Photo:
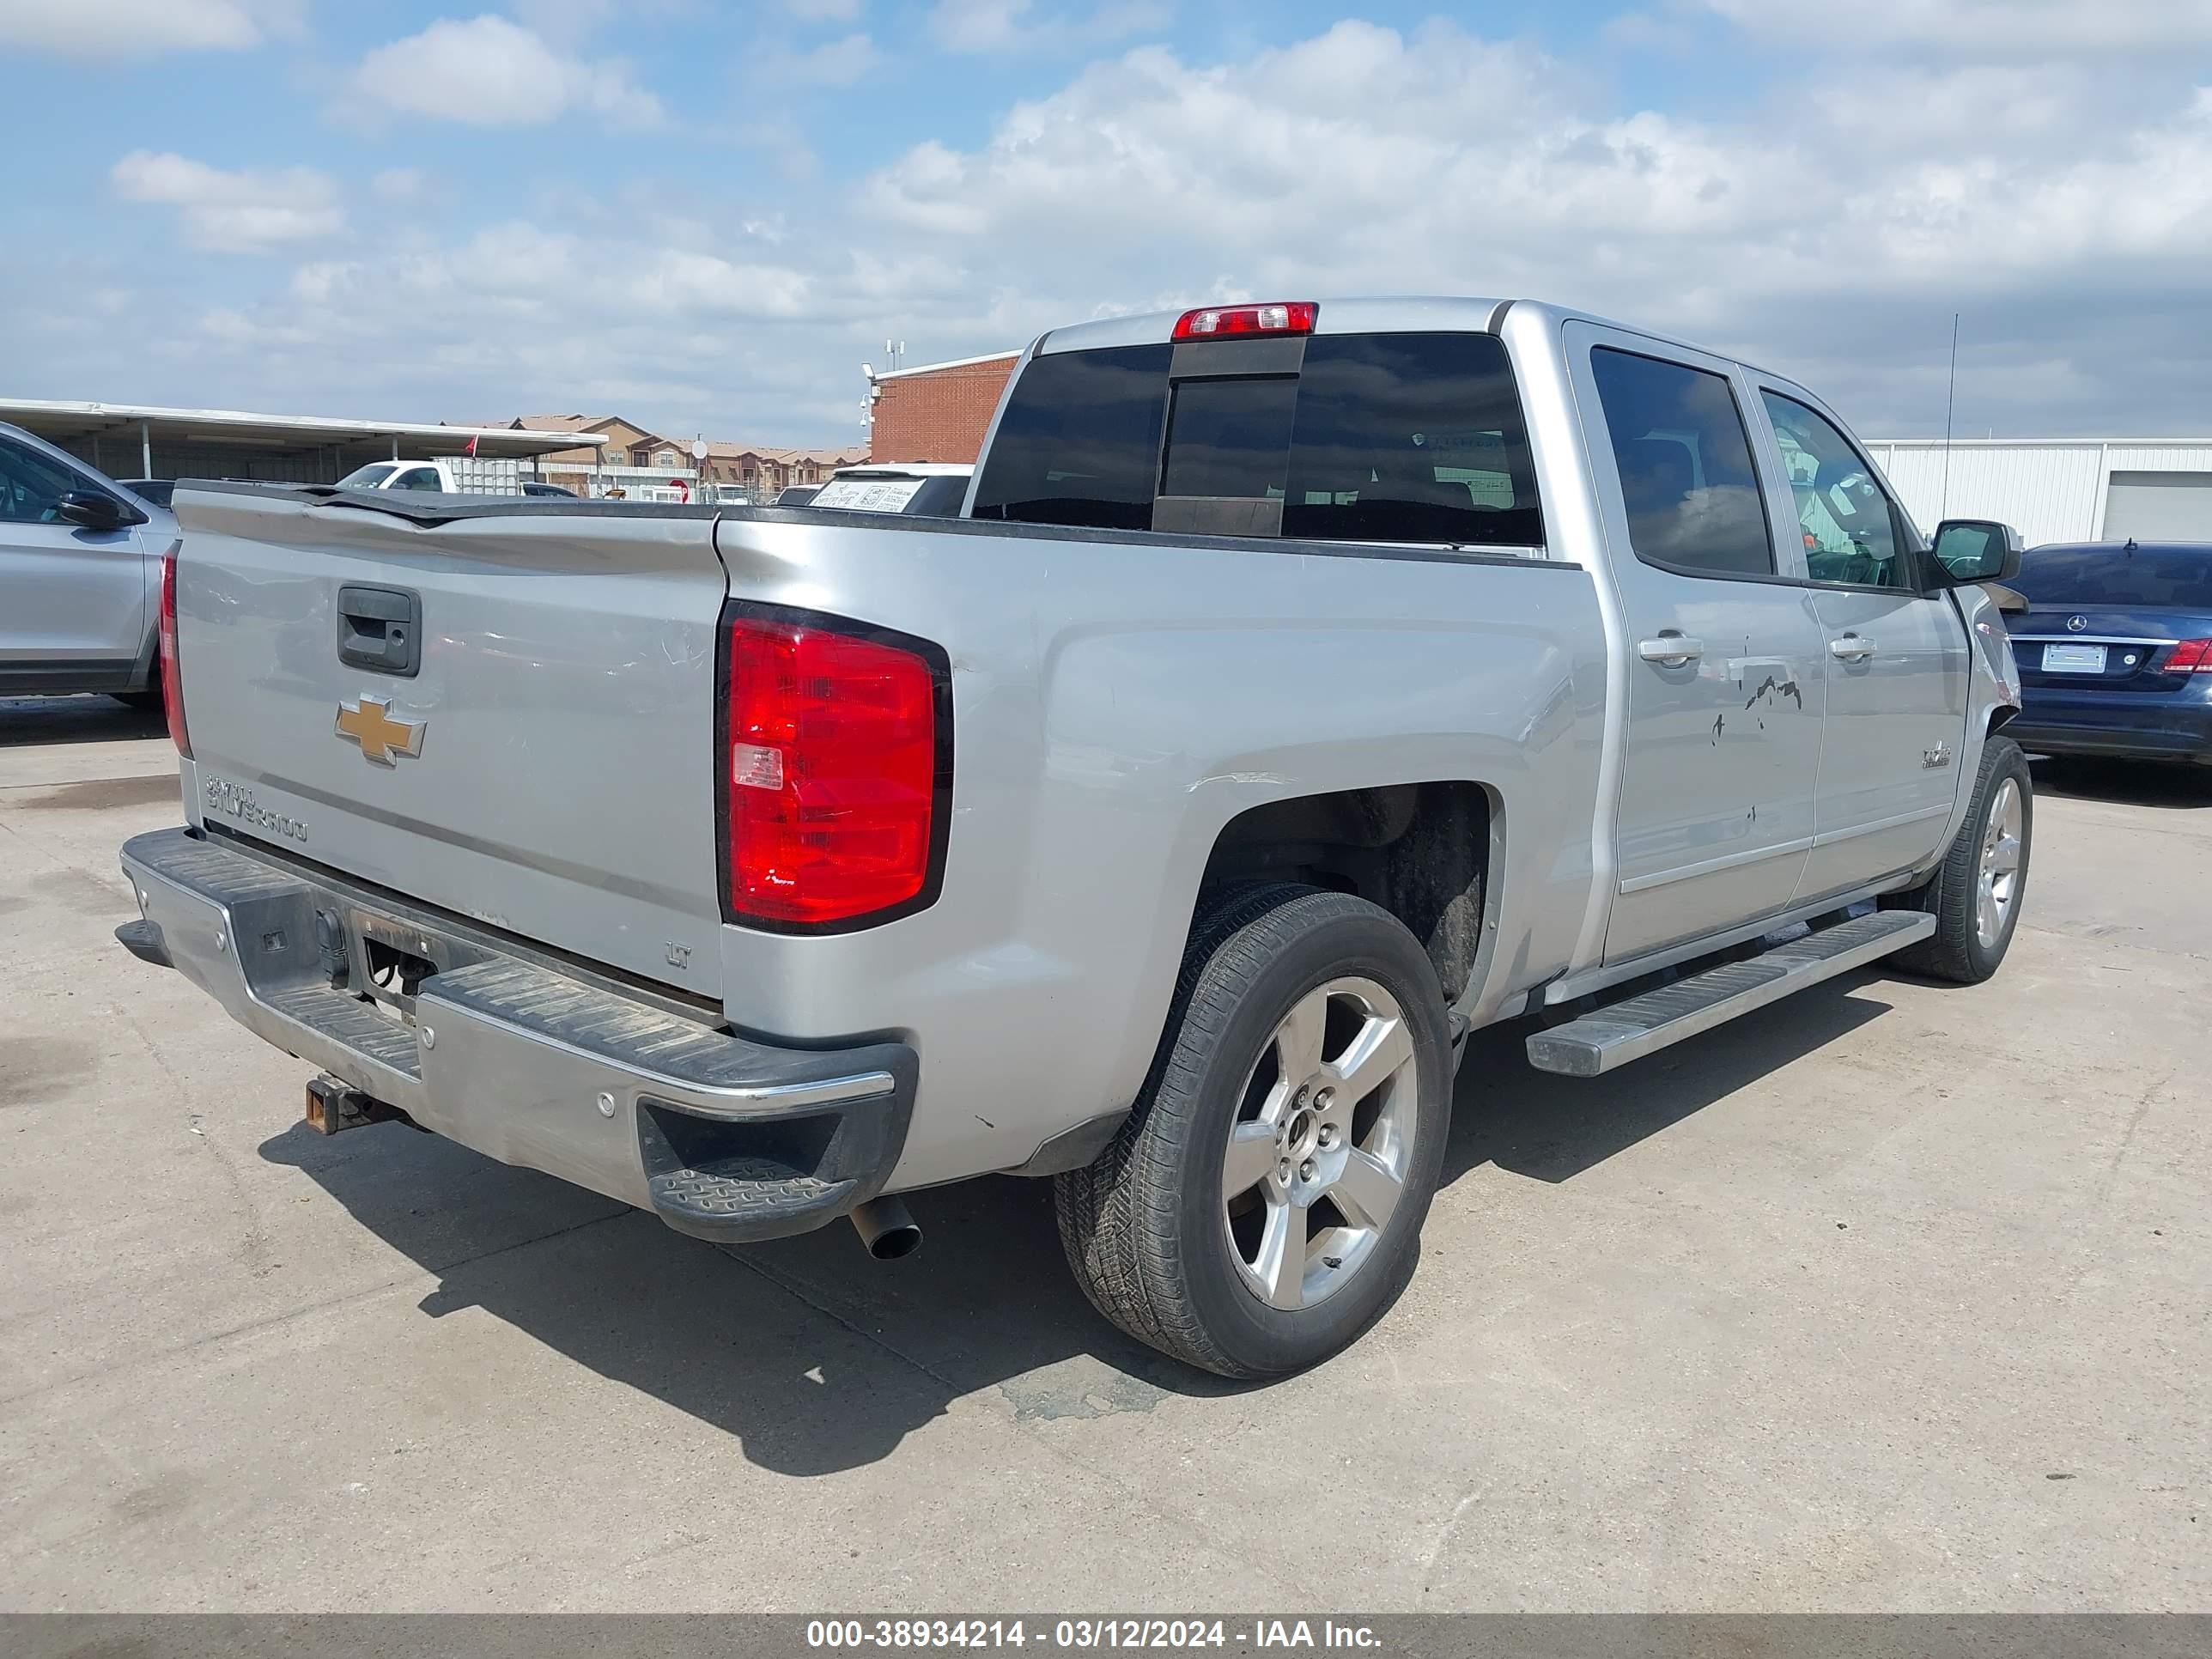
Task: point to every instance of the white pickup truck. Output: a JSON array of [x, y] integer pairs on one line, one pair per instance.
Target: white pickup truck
[[1306, 685], [442, 475]]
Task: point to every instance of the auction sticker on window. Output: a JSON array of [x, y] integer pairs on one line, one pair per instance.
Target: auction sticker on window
[[868, 495]]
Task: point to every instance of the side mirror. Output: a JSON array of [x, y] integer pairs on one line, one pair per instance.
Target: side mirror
[[95, 510], [1976, 550]]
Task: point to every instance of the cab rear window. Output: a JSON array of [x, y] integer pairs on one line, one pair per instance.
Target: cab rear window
[[1376, 437]]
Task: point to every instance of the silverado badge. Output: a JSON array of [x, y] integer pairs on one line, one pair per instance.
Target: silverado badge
[[369, 723]]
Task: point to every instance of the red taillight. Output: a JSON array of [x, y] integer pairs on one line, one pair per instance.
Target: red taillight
[[164, 646], [832, 765], [2190, 657], [1217, 322]]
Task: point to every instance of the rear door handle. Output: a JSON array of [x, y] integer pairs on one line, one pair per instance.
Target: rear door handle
[[1670, 650], [1850, 648]]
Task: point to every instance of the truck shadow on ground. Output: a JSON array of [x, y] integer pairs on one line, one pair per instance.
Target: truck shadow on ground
[[816, 1358], [89, 718], [2124, 783]]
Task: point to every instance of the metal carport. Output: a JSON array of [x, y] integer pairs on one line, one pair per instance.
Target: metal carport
[[146, 440]]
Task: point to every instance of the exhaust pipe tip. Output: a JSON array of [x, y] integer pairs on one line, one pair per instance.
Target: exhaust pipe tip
[[886, 1229]]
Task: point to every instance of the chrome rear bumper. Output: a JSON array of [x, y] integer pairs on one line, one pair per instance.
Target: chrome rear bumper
[[508, 1052]]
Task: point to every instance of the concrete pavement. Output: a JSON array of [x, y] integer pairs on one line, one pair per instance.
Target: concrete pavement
[[1892, 1296]]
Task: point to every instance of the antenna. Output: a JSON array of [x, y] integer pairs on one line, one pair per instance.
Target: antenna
[[1950, 402]]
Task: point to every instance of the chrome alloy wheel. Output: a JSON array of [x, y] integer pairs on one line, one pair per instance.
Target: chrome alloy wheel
[[1317, 1158], [1998, 888]]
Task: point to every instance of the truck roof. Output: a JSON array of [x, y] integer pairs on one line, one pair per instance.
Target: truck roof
[[1401, 313]]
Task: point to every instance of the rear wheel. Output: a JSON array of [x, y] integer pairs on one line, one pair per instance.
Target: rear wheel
[[1263, 1206], [1975, 894]]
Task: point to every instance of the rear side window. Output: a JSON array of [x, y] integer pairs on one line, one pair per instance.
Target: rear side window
[[1685, 470], [2113, 578], [1079, 440], [1376, 437]]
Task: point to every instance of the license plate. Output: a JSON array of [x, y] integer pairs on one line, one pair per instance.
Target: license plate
[[2073, 659]]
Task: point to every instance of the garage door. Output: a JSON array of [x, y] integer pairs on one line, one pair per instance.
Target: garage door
[[2164, 506]]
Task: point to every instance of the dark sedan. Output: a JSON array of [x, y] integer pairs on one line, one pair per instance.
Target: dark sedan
[[2115, 650]]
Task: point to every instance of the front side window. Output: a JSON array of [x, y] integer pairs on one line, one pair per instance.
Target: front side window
[[1685, 469], [1851, 536], [32, 487], [420, 478]]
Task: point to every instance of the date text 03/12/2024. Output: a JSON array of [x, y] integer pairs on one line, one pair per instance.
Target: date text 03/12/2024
[[1084, 1634]]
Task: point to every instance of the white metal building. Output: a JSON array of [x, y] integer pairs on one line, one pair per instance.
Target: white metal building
[[2058, 489]]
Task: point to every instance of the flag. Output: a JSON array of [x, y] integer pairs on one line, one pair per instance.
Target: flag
[[471, 450]]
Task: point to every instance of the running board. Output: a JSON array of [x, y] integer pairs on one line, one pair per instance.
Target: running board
[[1628, 1030]]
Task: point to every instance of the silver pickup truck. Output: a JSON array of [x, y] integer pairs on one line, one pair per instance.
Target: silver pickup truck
[[1304, 686]]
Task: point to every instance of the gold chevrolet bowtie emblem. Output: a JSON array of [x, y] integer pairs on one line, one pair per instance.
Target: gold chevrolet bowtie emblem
[[369, 723]]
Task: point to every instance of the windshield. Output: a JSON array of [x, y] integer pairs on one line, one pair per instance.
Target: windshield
[[1370, 437], [367, 477], [2119, 578]]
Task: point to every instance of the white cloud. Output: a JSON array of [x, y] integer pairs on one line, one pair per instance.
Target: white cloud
[[2064, 208], [1010, 26], [1362, 161], [108, 28], [490, 72], [1986, 28], [249, 211]]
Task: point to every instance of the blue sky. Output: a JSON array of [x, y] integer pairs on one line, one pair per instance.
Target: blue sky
[[705, 217]]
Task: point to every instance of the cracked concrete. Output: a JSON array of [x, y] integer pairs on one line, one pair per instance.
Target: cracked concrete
[[1892, 1296]]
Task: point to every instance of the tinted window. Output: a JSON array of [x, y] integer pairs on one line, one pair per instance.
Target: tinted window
[[1229, 437], [367, 477], [1685, 472], [1079, 440], [160, 491], [32, 487], [1412, 438], [1850, 534], [940, 497], [2156, 578], [421, 477]]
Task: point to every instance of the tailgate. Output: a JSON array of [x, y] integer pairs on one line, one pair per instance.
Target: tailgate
[[547, 766]]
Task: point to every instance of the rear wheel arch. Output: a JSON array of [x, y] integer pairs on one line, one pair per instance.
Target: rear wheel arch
[[1427, 853]]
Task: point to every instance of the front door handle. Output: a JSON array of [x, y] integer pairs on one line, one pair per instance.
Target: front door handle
[[1850, 648], [1670, 650]]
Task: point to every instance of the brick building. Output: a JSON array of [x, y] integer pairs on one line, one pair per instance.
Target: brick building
[[939, 411], [651, 466], [762, 474]]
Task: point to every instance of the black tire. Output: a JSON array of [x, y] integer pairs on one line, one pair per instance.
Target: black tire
[[1143, 1225], [1956, 951]]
